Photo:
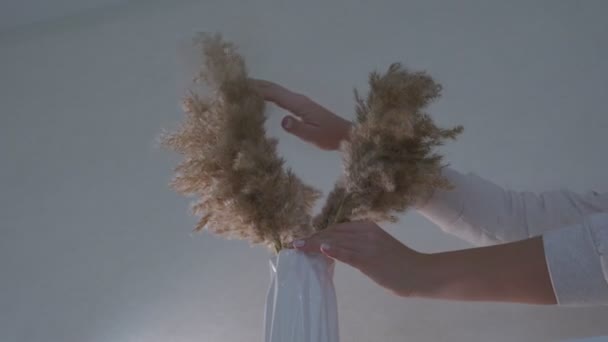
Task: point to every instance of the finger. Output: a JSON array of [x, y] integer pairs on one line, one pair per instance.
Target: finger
[[340, 253], [300, 129], [298, 104], [310, 245], [278, 94], [313, 243], [266, 89]]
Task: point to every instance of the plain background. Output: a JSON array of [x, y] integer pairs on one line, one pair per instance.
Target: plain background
[[95, 247]]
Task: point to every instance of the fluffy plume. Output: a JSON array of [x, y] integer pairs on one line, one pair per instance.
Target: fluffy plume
[[243, 189], [241, 185], [389, 161]]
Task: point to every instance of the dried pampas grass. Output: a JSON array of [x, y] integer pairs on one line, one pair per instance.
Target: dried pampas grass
[[243, 189], [389, 161]]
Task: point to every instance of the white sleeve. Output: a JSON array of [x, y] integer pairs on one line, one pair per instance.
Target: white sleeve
[[484, 213], [577, 259]]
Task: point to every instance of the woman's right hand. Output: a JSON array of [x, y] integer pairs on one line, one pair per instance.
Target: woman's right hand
[[310, 122]]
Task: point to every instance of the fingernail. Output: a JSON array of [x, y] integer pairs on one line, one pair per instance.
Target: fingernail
[[325, 246], [299, 243], [287, 123]]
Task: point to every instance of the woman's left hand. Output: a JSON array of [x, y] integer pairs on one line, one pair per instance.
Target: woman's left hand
[[370, 249]]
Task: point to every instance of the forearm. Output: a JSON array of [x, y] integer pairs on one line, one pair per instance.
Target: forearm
[[513, 272]]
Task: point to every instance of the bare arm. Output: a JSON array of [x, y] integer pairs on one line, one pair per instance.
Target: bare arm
[[565, 266], [513, 272]]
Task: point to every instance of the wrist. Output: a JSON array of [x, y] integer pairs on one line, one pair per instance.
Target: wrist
[[429, 277], [418, 275]]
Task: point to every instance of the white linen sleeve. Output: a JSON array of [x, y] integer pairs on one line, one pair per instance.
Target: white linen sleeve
[[577, 259], [483, 213]]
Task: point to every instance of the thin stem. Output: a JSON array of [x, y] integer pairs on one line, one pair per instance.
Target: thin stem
[[339, 211], [277, 247], [277, 243]]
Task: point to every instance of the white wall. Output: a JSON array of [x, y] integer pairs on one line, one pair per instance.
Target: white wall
[[95, 247], [19, 15]]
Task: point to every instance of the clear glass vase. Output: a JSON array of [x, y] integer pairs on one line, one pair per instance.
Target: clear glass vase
[[301, 302]]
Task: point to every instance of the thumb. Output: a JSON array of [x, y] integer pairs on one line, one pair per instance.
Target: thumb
[[300, 129]]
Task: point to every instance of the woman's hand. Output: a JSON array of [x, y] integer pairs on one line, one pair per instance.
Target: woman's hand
[[513, 272], [312, 122], [367, 247]]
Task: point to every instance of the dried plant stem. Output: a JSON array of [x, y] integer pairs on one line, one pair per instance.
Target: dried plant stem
[[337, 218]]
